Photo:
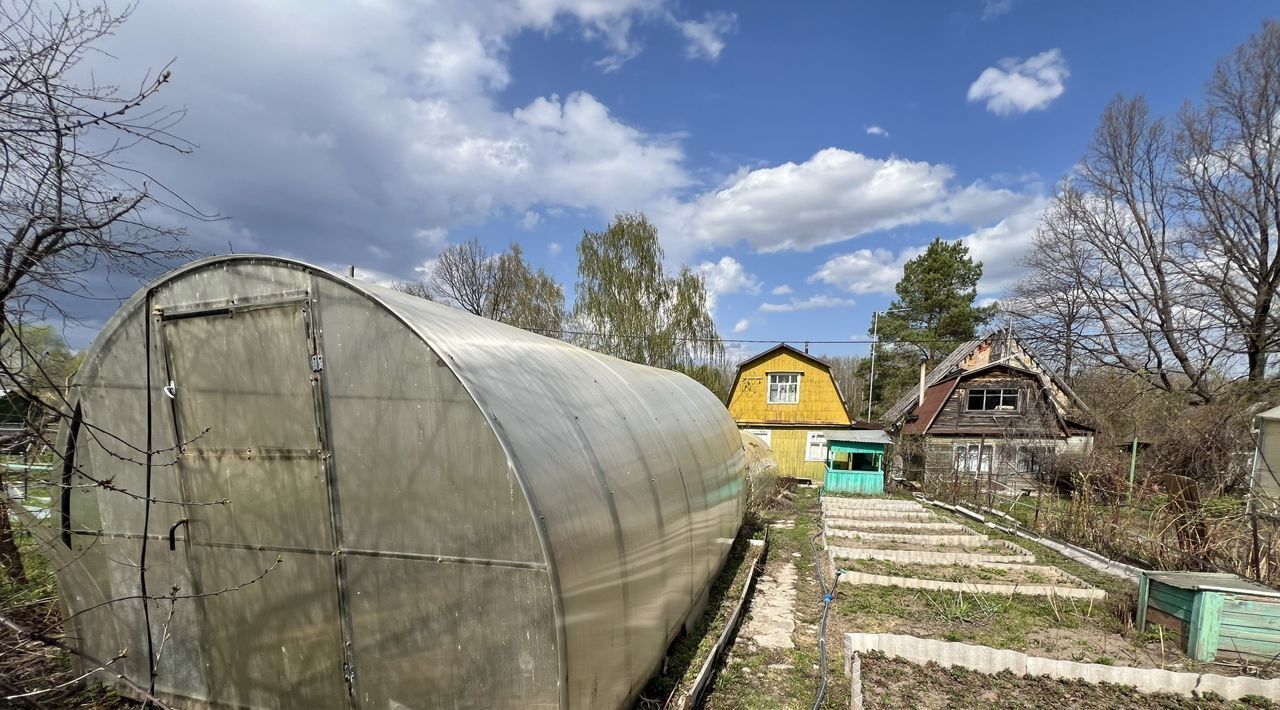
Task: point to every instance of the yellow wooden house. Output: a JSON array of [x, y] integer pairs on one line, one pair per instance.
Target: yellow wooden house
[[788, 398]]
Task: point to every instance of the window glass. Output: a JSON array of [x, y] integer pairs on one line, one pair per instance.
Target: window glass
[[974, 459], [817, 447], [784, 387], [993, 400]]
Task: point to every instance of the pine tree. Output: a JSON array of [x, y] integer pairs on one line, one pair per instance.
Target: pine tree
[[933, 313]]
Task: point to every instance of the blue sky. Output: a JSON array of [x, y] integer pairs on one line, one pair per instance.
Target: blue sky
[[796, 153]]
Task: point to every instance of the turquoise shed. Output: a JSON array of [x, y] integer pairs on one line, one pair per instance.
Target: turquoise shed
[[1212, 614], [855, 461]]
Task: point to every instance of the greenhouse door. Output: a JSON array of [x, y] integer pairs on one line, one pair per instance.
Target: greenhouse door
[[253, 471]]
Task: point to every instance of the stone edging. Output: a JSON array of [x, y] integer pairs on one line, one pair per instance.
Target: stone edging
[[872, 525], [970, 540], [985, 659], [852, 514], [867, 504], [1042, 590], [926, 557]]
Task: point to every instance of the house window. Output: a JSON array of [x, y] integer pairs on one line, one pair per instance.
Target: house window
[[1032, 459], [784, 387], [817, 447], [853, 461], [973, 459], [993, 400]]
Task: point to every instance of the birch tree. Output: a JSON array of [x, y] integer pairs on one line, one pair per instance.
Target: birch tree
[[627, 306]]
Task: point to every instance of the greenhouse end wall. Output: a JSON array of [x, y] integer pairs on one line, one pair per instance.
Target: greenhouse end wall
[[377, 500]]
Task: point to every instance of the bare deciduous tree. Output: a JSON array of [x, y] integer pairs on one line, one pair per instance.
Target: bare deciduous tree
[[1229, 155], [1159, 257], [502, 287], [69, 203]]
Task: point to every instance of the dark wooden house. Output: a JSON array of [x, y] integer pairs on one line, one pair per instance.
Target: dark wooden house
[[990, 415]]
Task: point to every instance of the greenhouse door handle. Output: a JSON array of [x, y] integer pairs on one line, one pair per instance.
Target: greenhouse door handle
[[173, 545]]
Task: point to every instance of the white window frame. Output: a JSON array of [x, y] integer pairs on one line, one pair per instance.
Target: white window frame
[[818, 439], [794, 382], [973, 459], [766, 435]]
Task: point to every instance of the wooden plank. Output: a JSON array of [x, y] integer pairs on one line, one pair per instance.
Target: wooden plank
[[1143, 585], [1250, 621], [1247, 606], [1173, 609], [1205, 626], [1172, 625], [1251, 634], [1175, 601]]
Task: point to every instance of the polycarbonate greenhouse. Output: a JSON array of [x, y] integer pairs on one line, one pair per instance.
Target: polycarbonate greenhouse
[[359, 498]]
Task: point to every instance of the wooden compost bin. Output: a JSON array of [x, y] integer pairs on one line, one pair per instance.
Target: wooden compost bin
[[1212, 614]]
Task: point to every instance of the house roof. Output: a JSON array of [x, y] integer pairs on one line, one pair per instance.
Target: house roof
[[860, 436], [798, 353], [1273, 413], [935, 397], [950, 366], [788, 348]]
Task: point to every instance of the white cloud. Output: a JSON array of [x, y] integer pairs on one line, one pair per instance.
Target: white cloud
[[1018, 86], [781, 290], [706, 37], [991, 9], [369, 275], [553, 248], [835, 195], [433, 238], [379, 118], [864, 270], [877, 131], [1001, 247], [725, 277], [812, 302], [741, 326], [530, 220]]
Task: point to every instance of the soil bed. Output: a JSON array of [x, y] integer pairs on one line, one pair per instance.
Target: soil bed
[[894, 683]]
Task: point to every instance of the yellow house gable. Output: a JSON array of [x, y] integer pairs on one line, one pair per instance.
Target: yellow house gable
[[804, 391]]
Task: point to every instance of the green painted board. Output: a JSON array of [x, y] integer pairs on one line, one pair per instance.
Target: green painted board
[[1205, 626], [1251, 621], [1172, 601], [856, 447], [860, 482], [1248, 634]]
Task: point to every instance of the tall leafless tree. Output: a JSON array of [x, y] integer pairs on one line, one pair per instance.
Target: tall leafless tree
[[1160, 256], [69, 203], [502, 287], [1229, 155]]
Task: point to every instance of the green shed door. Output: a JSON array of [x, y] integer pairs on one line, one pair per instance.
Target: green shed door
[[260, 536]]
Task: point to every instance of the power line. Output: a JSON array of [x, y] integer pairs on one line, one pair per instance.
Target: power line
[[870, 341]]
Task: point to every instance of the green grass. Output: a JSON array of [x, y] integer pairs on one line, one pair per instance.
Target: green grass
[[764, 679]]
